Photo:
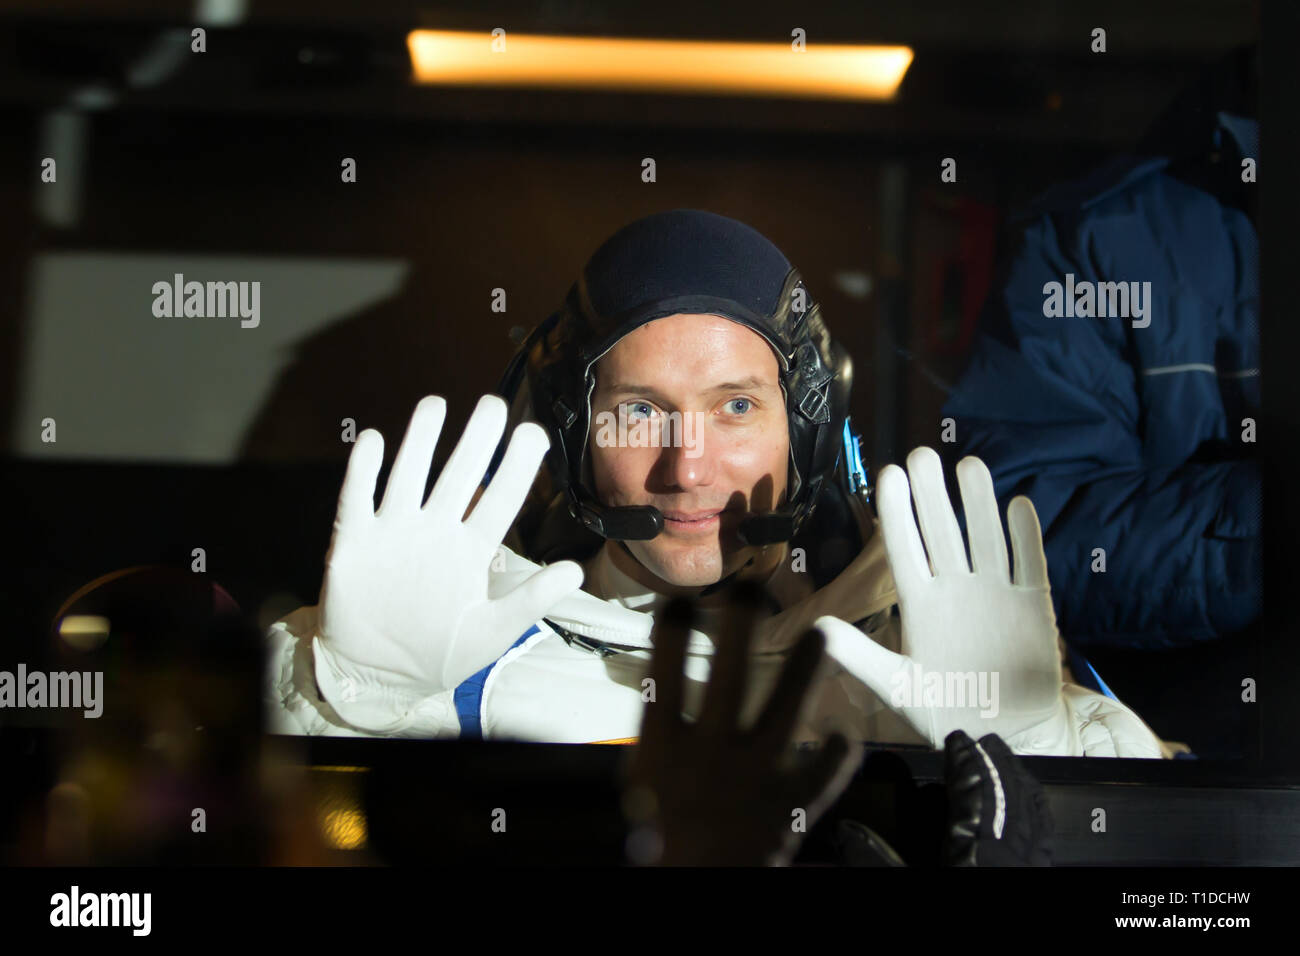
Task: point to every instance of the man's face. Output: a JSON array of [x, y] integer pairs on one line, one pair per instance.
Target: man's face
[[720, 382]]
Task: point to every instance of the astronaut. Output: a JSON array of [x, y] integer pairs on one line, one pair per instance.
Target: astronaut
[[513, 605]]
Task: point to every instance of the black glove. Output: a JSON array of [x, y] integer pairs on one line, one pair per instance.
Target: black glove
[[998, 814]]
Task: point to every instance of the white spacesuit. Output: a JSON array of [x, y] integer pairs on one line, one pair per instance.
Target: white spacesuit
[[427, 626], [577, 676]]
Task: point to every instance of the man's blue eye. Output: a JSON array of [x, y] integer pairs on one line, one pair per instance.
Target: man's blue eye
[[632, 410], [746, 401]]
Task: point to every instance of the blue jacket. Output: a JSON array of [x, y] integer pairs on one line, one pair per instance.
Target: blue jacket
[[1130, 439]]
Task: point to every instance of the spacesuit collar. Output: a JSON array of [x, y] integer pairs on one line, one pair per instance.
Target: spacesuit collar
[[615, 609]]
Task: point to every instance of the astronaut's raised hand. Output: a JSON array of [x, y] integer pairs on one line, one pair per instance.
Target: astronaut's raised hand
[[715, 793], [405, 608], [979, 647]]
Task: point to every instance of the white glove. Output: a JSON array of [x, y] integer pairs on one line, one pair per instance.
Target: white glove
[[962, 629], [406, 610]]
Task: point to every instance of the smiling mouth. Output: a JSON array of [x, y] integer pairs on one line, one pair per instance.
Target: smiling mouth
[[699, 521]]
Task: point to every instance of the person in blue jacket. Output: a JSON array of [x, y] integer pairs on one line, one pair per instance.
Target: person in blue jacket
[[1116, 383]]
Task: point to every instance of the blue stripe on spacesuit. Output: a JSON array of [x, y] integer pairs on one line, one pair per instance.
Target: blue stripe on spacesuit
[[1100, 683], [1085, 674], [469, 694]]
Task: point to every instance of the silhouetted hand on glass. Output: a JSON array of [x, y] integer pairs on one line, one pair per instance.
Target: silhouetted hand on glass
[[712, 792]]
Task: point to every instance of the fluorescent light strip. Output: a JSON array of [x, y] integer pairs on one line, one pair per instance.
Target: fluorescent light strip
[[672, 66]]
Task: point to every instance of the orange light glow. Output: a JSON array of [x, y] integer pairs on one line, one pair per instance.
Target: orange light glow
[[669, 66]]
